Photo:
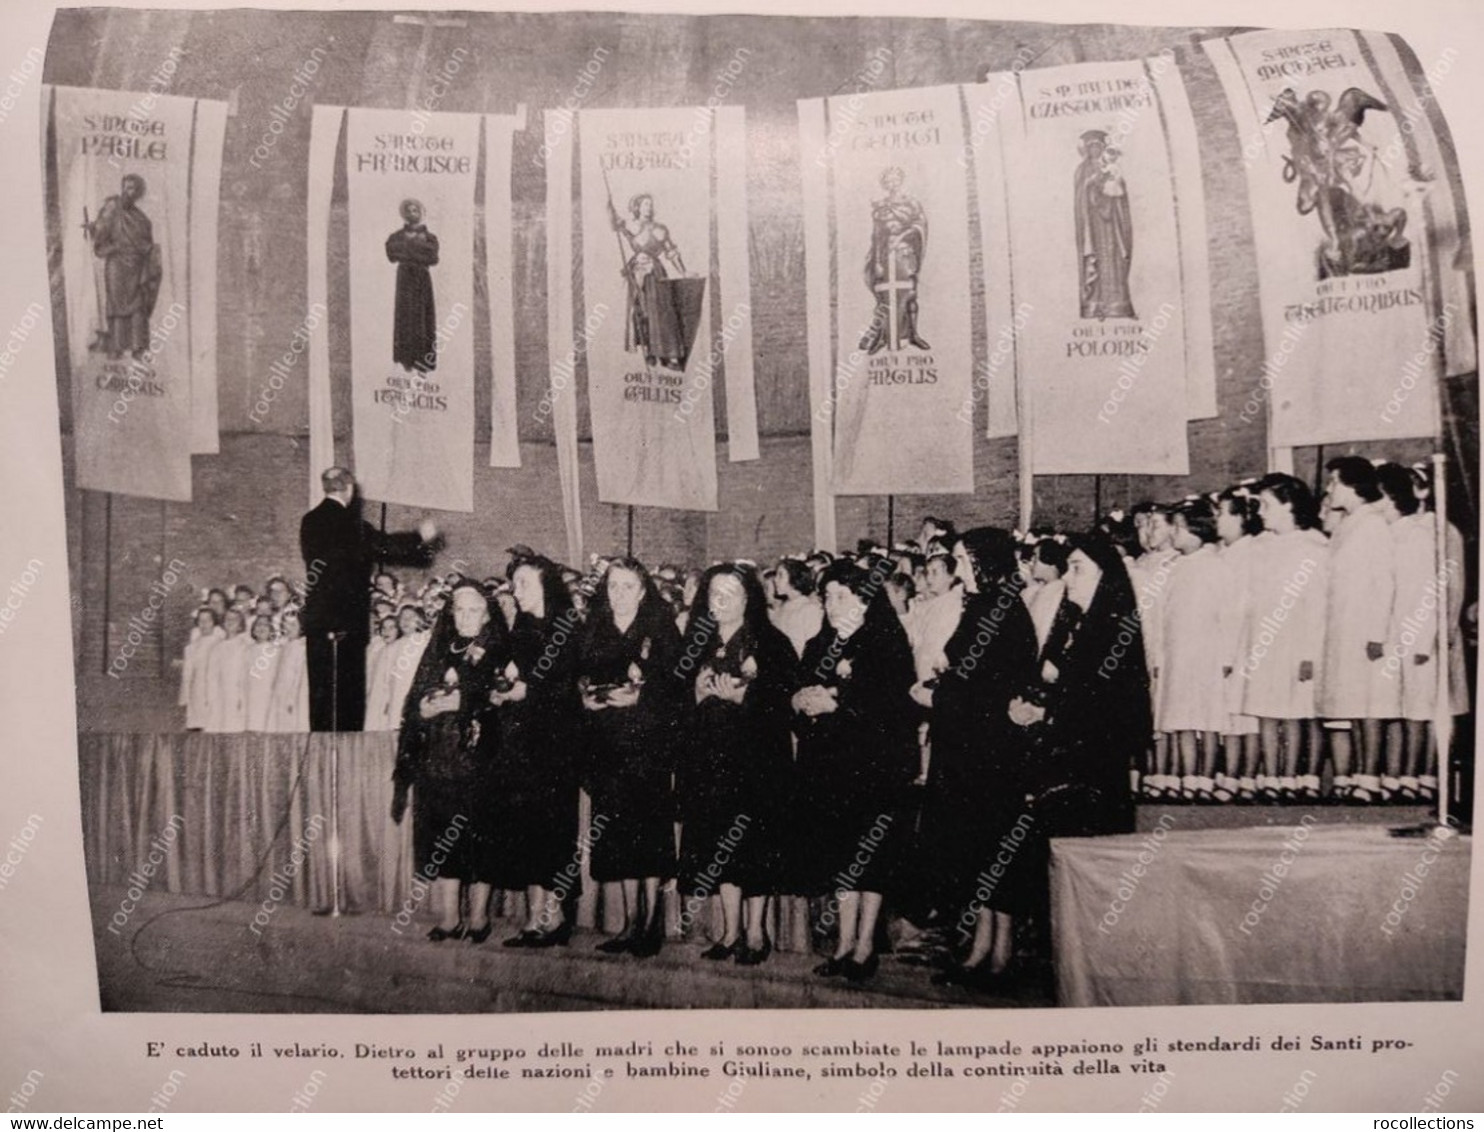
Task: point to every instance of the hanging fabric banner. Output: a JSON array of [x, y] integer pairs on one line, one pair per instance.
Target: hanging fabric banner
[[1356, 236], [903, 342], [499, 272], [994, 377], [124, 190], [206, 184], [649, 266], [324, 138], [1099, 268], [411, 211]]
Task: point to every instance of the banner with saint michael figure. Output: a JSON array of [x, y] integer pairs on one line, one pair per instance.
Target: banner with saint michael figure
[[663, 298], [412, 308], [135, 197], [1098, 168], [887, 220], [1365, 299]]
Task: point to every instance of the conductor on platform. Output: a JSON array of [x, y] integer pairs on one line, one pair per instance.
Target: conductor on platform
[[340, 551]]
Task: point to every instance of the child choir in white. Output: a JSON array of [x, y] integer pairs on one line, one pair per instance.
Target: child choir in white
[[1293, 641]]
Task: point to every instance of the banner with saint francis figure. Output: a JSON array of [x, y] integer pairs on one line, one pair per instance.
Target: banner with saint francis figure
[[411, 215], [886, 192], [1364, 303], [654, 333], [135, 192], [1111, 326]]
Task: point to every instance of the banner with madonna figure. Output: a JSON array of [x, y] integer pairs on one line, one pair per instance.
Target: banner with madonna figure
[[1106, 224], [1365, 303]]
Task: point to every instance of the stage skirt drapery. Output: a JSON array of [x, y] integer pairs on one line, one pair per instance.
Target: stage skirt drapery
[[1308, 913], [247, 818]]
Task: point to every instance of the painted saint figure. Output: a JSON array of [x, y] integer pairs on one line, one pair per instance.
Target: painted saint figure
[[898, 244], [661, 322], [1105, 231], [414, 322], [123, 238], [1335, 171]]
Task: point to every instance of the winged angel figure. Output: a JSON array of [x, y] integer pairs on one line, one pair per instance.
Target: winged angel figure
[[1334, 167]]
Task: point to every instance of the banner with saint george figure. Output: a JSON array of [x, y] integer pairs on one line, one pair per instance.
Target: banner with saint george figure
[[1103, 203], [412, 309], [886, 184], [136, 210], [654, 334], [1364, 302]]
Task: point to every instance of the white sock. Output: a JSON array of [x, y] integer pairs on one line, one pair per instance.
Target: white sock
[[1428, 784], [1309, 782], [1409, 782], [1342, 785], [1247, 785], [1288, 782], [1389, 785]]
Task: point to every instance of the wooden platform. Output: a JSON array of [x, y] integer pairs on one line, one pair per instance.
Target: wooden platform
[[1151, 814], [192, 954]]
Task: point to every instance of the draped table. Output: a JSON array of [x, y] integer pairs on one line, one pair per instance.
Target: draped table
[[247, 817], [1307, 913]]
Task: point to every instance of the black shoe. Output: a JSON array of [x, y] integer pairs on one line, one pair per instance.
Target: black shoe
[[719, 951], [648, 944], [832, 967], [524, 939], [956, 976], [477, 936], [617, 945], [751, 957], [458, 931], [860, 972], [558, 936]]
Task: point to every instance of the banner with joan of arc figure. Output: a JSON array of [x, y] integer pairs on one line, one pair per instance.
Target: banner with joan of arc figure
[[897, 205], [649, 270], [131, 235], [1357, 234], [412, 309]]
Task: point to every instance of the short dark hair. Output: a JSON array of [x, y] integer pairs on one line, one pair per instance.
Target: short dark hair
[[1199, 517], [1397, 484], [1356, 472], [799, 576], [1053, 553], [1294, 492], [1242, 502]]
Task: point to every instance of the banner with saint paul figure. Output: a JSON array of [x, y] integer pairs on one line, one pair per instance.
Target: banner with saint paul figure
[[131, 235], [411, 214]]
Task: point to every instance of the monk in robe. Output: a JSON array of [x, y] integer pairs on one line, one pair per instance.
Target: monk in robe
[[414, 323], [123, 238]]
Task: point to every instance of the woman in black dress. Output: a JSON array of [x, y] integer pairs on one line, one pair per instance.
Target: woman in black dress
[[533, 817], [443, 757], [631, 689], [1085, 719], [734, 776], [857, 755], [974, 800]]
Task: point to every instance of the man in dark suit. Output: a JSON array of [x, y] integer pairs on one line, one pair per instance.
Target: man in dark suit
[[340, 550]]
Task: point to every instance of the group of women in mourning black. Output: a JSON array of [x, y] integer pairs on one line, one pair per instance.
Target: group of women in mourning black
[[786, 774]]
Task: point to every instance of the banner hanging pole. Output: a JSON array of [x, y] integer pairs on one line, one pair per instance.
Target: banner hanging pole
[[1443, 707]]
